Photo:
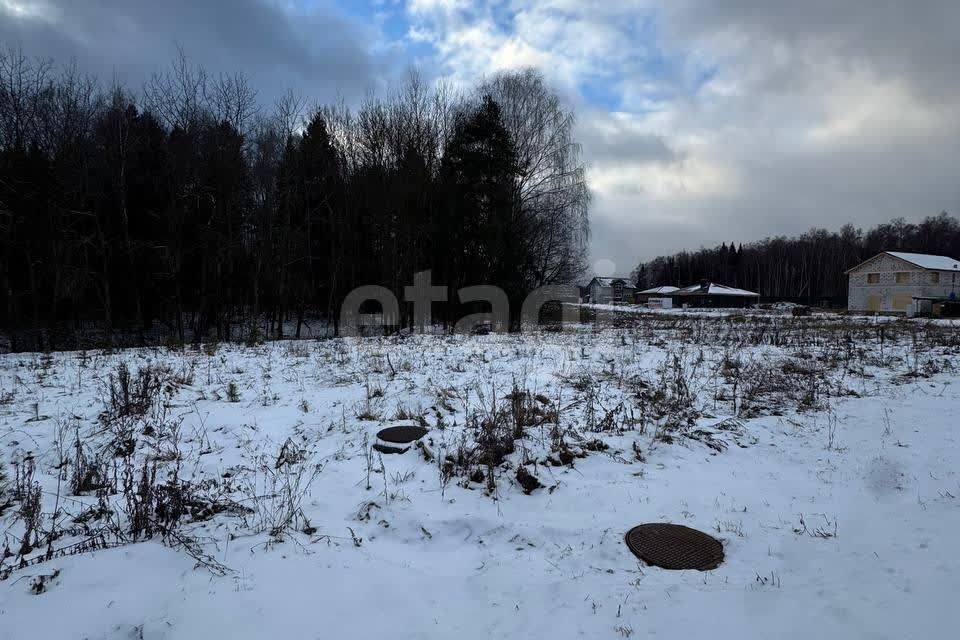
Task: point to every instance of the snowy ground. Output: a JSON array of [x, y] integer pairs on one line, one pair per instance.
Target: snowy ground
[[612, 310], [826, 459]]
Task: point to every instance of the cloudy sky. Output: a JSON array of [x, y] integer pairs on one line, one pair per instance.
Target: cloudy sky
[[701, 121]]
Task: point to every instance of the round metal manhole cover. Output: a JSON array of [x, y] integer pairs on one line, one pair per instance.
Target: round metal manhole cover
[[674, 546], [402, 434]]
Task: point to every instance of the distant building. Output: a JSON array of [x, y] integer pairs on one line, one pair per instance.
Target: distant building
[[897, 282], [711, 294], [611, 290], [641, 297], [583, 293]]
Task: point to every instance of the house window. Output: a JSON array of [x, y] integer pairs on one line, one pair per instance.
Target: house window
[[935, 278], [617, 291], [873, 278], [903, 277]]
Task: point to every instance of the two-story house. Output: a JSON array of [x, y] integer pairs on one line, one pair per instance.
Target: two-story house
[[610, 290], [891, 281]]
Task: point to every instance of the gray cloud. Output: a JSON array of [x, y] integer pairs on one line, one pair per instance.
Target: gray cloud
[[913, 40], [610, 140], [320, 52], [820, 113]]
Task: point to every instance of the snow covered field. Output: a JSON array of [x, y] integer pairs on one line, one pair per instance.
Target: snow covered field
[[825, 456]]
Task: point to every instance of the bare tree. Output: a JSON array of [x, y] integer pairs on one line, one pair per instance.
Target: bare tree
[[233, 100], [288, 113], [552, 188], [23, 83], [179, 95]]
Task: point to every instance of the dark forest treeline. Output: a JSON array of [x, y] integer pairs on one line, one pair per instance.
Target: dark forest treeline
[[187, 205], [810, 266]]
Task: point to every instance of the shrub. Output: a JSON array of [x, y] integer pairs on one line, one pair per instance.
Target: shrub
[[129, 394]]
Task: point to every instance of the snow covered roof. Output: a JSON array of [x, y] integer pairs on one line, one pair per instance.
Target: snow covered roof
[[713, 289], [663, 289], [607, 281], [927, 261]]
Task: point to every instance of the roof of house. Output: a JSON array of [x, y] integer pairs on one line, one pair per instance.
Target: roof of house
[[662, 289], [927, 261], [607, 281], [922, 260], [714, 289]]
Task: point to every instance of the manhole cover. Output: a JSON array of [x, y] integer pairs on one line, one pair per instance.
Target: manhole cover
[[402, 434], [674, 546]]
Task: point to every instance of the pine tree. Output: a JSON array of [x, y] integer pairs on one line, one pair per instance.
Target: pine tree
[[317, 174], [480, 170]]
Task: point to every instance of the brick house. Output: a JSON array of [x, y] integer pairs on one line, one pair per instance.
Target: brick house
[[891, 282], [610, 290]]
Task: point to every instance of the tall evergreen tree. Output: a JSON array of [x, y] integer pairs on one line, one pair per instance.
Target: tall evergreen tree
[[480, 168]]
